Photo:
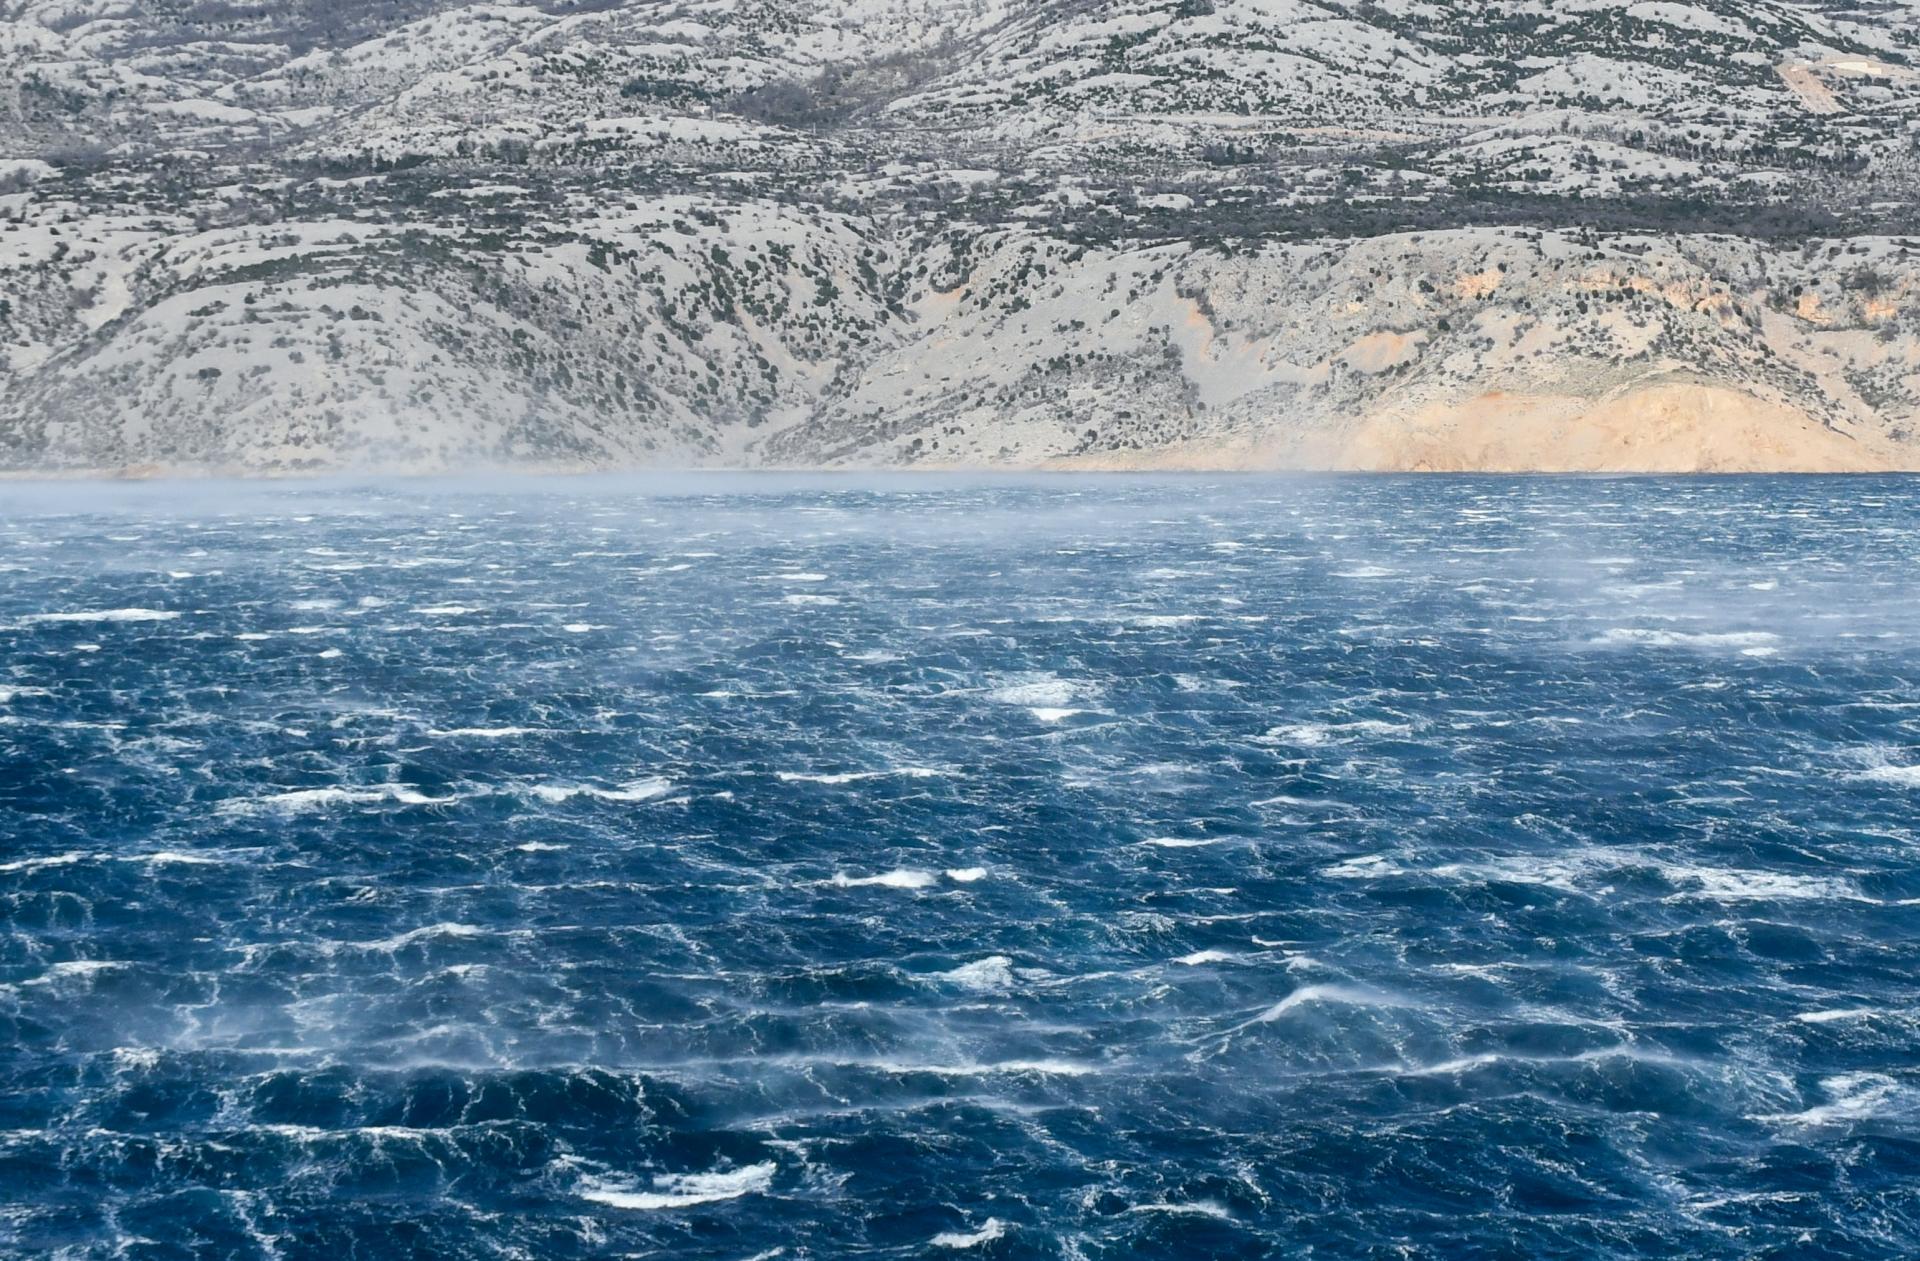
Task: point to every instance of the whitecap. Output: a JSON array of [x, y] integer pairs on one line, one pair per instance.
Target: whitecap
[[1038, 692], [51, 860], [301, 800], [1680, 639], [1314, 734], [1188, 1208], [428, 933], [1368, 867], [901, 878], [966, 875], [1729, 885], [993, 973], [634, 790], [1853, 1097], [481, 733], [1834, 1015], [992, 1229], [1201, 957], [1180, 842], [104, 615], [1902, 776], [854, 777], [1327, 994], [684, 1190], [809, 599], [77, 968], [1046, 713], [135, 1058], [1038, 1068], [1196, 683], [446, 610]]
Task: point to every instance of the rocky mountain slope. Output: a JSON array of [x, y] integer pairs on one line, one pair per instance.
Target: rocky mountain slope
[[1103, 233]]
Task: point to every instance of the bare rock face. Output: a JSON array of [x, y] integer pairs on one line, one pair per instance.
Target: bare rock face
[[1122, 234]]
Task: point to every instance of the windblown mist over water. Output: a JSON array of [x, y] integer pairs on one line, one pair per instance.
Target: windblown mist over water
[[1054, 868]]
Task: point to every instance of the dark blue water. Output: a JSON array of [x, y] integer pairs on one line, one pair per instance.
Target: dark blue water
[[1082, 868]]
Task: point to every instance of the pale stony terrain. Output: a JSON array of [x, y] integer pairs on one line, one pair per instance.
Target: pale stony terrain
[[1079, 233]]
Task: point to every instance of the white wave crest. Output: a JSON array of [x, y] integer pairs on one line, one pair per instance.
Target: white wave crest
[[1902, 776], [1836, 1015], [1852, 1097], [76, 969], [178, 858], [1045, 691], [1314, 734], [49, 860], [1728, 885], [1366, 867], [1038, 1068], [1331, 994], [1190, 1208], [1625, 635], [990, 1230], [855, 777], [901, 878], [103, 615], [681, 1190], [634, 790], [302, 800], [429, 933], [989, 975]]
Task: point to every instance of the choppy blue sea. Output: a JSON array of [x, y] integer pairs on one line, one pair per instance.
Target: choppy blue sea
[[1072, 868]]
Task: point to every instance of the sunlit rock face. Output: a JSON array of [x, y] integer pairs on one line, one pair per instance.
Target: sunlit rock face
[[1213, 233]]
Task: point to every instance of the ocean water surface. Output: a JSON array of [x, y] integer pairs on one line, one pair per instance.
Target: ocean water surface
[[1052, 868]]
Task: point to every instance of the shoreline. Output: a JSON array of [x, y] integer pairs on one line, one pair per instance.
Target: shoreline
[[1674, 427], [184, 476]]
